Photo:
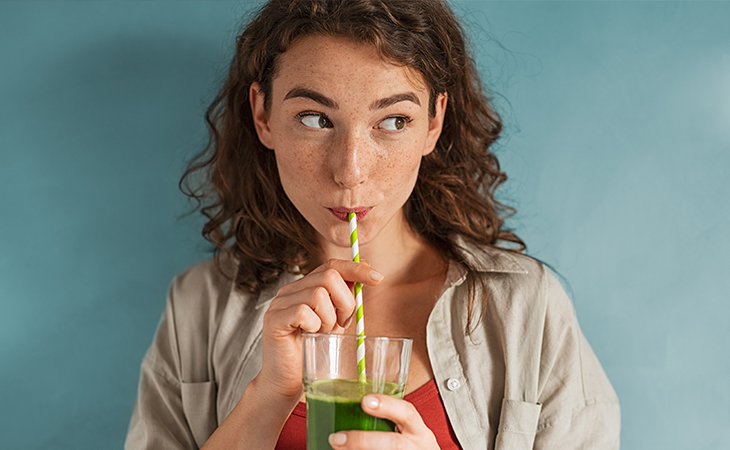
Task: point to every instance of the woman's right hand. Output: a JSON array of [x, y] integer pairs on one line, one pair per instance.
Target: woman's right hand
[[320, 302]]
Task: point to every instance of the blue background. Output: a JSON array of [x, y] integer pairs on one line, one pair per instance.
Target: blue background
[[617, 145]]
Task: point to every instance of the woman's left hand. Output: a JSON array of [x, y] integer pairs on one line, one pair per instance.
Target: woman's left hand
[[413, 433]]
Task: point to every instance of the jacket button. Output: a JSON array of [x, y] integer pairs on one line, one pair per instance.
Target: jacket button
[[453, 384]]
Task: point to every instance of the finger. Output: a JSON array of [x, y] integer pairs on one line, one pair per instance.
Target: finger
[[317, 300], [352, 271], [368, 440], [327, 294], [340, 295], [351, 284], [322, 305], [317, 277], [401, 412], [337, 276], [295, 317], [338, 272]]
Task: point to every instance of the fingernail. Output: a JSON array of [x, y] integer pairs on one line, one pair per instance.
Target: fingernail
[[370, 401], [337, 439], [375, 275], [348, 323]]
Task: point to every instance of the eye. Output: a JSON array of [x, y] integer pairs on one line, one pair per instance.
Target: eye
[[395, 123], [314, 120]]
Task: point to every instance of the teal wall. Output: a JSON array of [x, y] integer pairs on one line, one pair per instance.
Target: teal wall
[[617, 146]]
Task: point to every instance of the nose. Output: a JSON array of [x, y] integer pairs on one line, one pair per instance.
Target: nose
[[351, 160]]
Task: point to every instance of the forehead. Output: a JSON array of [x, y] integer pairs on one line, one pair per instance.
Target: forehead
[[332, 63]]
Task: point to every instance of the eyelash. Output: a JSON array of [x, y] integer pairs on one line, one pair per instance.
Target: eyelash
[[304, 114], [406, 118]]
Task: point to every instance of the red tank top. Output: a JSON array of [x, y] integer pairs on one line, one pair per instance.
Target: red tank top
[[426, 399]]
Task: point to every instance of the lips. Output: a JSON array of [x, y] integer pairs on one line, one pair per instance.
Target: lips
[[341, 212]]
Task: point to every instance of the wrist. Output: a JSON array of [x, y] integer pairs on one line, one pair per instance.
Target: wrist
[[261, 391]]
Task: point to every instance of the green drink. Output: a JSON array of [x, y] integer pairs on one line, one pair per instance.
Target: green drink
[[334, 385], [334, 405]]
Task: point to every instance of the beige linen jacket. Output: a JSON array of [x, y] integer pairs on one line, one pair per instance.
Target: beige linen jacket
[[526, 378]]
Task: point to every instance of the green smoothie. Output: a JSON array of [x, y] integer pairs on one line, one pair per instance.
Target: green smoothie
[[334, 405]]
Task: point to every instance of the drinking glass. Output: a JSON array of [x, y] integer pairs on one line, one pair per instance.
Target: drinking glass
[[334, 390]]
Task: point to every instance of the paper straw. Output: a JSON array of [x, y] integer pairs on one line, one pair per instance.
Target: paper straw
[[360, 324]]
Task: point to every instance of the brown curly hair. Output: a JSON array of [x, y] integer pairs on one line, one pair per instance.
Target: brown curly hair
[[235, 179]]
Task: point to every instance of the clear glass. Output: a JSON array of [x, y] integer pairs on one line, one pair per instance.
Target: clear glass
[[333, 389]]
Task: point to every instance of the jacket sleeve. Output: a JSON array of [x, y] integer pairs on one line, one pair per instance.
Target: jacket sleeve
[[580, 409], [158, 418]]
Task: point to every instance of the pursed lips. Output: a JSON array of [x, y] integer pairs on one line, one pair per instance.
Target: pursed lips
[[341, 212]]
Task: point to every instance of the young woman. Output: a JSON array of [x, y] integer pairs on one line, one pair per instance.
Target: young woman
[[372, 107]]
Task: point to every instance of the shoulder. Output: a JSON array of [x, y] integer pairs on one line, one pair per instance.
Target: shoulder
[[197, 300], [545, 357], [204, 275], [204, 286], [512, 279]]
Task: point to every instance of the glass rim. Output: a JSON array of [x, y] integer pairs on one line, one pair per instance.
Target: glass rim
[[355, 336]]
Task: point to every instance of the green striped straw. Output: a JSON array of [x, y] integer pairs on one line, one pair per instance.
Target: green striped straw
[[360, 325]]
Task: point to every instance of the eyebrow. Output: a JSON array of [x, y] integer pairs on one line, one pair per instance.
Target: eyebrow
[[393, 99], [300, 92], [312, 95]]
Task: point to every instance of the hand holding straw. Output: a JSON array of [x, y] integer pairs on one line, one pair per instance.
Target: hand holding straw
[[360, 325]]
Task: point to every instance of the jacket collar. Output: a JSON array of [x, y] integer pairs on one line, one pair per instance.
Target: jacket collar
[[487, 258]]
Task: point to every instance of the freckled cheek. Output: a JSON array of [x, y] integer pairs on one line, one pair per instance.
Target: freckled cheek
[[401, 169], [297, 173], [296, 159]]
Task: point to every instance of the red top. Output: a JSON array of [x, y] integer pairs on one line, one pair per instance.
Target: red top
[[426, 399]]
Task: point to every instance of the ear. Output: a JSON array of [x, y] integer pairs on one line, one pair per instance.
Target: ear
[[260, 117], [436, 123]]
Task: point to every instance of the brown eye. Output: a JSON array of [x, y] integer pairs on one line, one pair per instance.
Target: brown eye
[[324, 122], [394, 123], [313, 120]]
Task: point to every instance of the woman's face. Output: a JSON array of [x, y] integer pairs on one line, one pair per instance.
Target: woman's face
[[349, 132]]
